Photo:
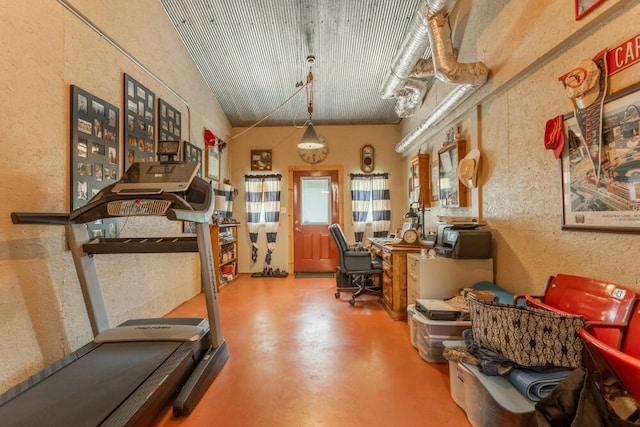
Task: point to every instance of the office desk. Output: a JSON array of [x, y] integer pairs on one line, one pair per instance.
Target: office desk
[[394, 276]]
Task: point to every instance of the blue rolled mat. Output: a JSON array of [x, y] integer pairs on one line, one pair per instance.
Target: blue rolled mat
[[536, 385]]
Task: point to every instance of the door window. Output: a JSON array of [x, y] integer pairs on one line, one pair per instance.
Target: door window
[[315, 200]]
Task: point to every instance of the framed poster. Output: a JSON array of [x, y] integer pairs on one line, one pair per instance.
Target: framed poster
[[452, 192], [213, 162], [601, 187], [95, 153], [139, 131]]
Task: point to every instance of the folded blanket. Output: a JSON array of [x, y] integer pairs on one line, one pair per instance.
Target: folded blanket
[[536, 385]]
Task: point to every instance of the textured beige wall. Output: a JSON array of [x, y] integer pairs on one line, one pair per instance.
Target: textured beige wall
[[45, 49], [527, 45], [344, 144]]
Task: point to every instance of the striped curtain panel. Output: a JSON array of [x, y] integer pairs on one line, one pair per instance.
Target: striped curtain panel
[[371, 190], [381, 209], [360, 200], [226, 191], [271, 212], [262, 192], [253, 206]]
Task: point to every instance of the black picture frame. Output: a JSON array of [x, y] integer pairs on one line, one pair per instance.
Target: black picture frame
[[191, 153], [95, 153], [612, 202], [169, 122], [139, 127]]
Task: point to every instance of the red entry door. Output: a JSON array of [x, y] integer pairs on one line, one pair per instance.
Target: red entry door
[[315, 205]]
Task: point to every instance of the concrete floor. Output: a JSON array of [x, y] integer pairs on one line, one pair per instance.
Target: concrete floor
[[301, 357]]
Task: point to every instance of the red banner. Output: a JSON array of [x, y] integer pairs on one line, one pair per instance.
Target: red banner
[[624, 55]]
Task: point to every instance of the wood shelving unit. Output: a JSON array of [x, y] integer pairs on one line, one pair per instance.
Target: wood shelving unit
[[224, 242]]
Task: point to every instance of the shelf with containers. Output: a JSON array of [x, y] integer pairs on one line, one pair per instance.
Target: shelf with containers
[[224, 242]]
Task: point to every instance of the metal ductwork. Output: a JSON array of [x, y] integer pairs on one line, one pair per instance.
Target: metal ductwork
[[413, 47], [447, 68], [429, 35], [410, 96], [459, 94]]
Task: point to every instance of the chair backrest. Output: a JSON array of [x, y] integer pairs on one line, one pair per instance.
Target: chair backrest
[[595, 300], [625, 363], [631, 342], [341, 241]]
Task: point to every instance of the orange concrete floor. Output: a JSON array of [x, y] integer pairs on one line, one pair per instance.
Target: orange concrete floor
[[300, 357]]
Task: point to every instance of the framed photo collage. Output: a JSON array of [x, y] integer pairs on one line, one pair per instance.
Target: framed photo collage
[[97, 153]]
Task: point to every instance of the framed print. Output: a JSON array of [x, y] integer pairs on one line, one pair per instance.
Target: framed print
[[140, 128], [261, 160], [601, 188], [95, 153], [213, 162], [435, 178], [452, 193], [583, 7], [420, 177]]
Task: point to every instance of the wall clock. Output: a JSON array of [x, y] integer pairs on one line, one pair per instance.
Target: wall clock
[[314, 155], [367, 161]]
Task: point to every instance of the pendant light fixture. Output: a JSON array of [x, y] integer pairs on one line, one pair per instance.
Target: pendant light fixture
[[310, 139]]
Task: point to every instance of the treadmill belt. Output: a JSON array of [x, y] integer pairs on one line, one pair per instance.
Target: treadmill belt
[[88, 390]]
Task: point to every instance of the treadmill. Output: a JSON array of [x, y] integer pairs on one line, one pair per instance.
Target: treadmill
[[129, 373]]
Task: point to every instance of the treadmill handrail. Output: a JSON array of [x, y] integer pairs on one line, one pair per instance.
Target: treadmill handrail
[[40, 218], [200, 209]]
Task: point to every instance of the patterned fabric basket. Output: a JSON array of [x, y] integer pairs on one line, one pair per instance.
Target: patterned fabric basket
[[528, 336]]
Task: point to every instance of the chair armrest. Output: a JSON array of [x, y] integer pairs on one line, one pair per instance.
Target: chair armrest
[[612, 334], [357, 254], [589, 324]]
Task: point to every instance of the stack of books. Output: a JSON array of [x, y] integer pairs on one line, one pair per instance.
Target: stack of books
[[479, 295]]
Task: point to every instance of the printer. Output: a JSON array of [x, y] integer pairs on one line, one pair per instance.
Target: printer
[[463, 240]]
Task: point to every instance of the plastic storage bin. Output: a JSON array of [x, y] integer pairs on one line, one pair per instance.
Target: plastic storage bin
[[487, 400], [431, 348], [429, 344]]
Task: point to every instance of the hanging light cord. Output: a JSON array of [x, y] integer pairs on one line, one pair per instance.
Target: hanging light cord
[[271, 113], [309, 87]]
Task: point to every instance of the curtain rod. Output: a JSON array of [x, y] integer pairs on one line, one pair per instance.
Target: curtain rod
[[361, 175], [273, 175]]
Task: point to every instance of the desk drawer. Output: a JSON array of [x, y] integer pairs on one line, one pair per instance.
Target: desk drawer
[[387, 290], [387, 257], [387, 270]]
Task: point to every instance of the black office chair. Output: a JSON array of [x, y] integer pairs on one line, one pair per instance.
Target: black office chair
[[357, 269]]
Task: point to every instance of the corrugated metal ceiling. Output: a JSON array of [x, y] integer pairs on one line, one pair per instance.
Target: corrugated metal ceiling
[[252, 53]]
